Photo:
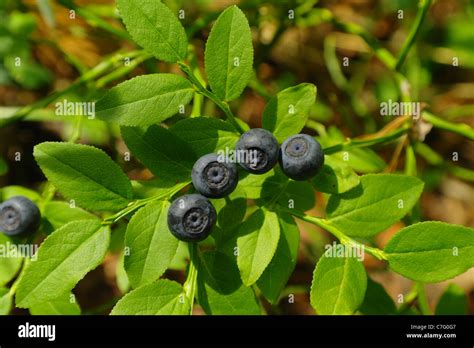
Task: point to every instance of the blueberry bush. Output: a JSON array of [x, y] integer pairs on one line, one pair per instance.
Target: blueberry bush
[[231, 225]]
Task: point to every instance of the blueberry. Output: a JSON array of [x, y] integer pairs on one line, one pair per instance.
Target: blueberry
[[191, 218], [257, 150], [214, 177], [19, 215], [301, 157]]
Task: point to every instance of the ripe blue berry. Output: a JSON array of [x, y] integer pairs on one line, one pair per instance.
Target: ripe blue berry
[[301, 157], [191, 218], [213, 177], [260, 149], [19, 215]]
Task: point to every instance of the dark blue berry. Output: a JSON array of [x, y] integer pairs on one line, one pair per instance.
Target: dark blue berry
[[259, 149], [191, 218], [301, 157], [18, 216], [214, 177]]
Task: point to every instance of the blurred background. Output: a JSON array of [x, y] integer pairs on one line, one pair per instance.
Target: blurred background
[[76, 50]]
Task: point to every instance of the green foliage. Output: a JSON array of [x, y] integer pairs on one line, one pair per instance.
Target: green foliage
[[377, 301], [229, 54], [276, 275], [154, 27], [58, 214], [151, 245], [9, 266], [220, 290], [257, 242], [63, 305], [163, 297], [453, 301], [165, 154], [85, 174], [134, 102], [336, 176], [6, 301], [379, 201], [286, 113], [205, 134], [339, 284], [63, 259], [431, 251]]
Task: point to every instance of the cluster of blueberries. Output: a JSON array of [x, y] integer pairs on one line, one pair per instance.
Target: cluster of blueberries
[[192, 216]]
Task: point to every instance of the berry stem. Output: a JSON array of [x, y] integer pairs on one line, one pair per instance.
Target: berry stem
[[133, 206], [190, 284], [343, 238], [207, 93]]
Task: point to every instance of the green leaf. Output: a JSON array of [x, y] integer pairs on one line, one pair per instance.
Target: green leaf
[[151, 244], [276, 275], [264, 186], [63, 259], [339, 284], [121, 275], [377, 301], [229, 54], [297, 195], [377, 203], [145, 100], [8, 192], [59, 214], [205, 134], [220, 290], [257, 242], [336, 176], [6, 301], [154, 27], [364, 160], [453, 301], [63, 305], [431, 251], [166, 155], [231, 210], [9, 266], [85, 174], [163, 297], [286, 113]]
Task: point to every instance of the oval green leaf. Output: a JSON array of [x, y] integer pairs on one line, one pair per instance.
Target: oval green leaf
[[145, 100], [229, 54], [287, 112], [63, 259], [257, 242], [150, 243], [164, 297], [377, 203], [431, 251], [85, 174], [154, 27], [339, 284]]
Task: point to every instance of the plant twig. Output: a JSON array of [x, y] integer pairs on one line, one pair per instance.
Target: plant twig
[[424, 5], [204, 91]]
